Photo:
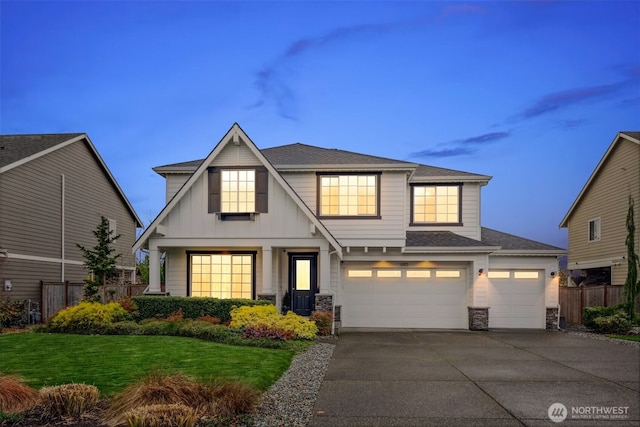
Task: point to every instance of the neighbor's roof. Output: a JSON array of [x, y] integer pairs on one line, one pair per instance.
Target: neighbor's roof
[[632, 136], [307, 157], [16, 150]]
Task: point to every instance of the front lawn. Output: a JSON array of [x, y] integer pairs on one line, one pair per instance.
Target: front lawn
[[626, 337], [112, 362]]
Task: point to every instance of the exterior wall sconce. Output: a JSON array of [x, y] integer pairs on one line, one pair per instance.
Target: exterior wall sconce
[[553, 274], [480, 271]]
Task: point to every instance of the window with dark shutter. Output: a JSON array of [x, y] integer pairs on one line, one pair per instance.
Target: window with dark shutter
[[236, 194]]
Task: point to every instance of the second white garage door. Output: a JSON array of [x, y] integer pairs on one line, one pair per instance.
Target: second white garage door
[[404, 297], [516, 299]]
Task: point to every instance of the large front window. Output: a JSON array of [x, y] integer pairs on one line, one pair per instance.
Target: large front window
[[238, 194], [348, 195], [438, 204], [222, 275]]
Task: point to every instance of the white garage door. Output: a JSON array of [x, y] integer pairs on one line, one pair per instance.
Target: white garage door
[[403, 297], [516, 299]]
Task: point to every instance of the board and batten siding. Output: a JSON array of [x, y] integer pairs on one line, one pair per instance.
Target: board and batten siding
[[392, 201], [607, 198], [31, 216], [190, 217], [470, 214]]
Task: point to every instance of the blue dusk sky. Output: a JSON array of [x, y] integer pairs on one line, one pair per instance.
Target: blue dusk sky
[[531, 93]]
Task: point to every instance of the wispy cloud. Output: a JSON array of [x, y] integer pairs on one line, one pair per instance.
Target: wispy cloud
[[562, 99], [271, 79], [461, 147]]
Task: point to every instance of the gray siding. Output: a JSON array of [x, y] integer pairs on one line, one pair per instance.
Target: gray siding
[[607, 199], [31, 215]]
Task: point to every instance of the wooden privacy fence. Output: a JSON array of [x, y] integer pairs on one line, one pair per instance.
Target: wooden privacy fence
[[59, 295], [573, 301]]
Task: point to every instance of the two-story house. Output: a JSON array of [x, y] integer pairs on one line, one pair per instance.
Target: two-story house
[[382, 243], [596, 221], [54, 189]]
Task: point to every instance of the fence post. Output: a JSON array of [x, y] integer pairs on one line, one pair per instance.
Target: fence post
[[606, 304], [582, 305], [66, 293]]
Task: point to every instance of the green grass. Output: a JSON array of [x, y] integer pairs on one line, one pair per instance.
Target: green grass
[[626, 337], [113, 362]]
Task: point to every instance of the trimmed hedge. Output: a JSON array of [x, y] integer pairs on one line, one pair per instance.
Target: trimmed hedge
[[607, 320], [150, 307]]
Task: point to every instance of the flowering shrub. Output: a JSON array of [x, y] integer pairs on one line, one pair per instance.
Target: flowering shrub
[[323, 321], [263, 331], [268, 316], [87, 318]]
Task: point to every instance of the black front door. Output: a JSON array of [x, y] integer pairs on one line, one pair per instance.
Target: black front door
[[302, 282]]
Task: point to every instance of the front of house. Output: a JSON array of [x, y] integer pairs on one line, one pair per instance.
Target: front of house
[[381, 243]]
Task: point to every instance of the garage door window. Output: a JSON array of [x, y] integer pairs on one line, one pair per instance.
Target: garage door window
[[418, 274], [389, 273], [448, 273], [499, 275], [525, 274], [360, 273]]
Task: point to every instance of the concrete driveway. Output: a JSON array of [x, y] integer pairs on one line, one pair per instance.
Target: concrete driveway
[[465, 378]]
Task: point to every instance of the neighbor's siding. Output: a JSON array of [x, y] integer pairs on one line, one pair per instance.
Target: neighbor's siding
[[31, 213], [607, 198]]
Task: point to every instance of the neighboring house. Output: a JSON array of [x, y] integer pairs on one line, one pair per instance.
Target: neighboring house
[[382, 243], [596, 220], [54, 188]]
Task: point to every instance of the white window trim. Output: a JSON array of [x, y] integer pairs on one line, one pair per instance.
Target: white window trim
[[597, 238]]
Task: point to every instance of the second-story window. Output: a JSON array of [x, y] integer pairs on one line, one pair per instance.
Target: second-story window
[[238, 192], [436, 204], [350, 195]]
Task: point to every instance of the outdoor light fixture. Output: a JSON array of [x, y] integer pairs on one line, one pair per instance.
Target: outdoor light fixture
[[480, 272], [553, 274]]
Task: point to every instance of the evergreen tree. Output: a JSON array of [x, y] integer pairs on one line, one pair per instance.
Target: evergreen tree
[[631, 285], [101, 260]]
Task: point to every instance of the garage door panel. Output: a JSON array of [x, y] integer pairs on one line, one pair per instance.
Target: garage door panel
[[404, 302], [516, 303]]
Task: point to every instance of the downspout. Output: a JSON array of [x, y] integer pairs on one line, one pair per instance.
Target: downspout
[[62, 228]]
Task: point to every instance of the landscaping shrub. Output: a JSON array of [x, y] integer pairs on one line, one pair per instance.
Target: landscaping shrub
[[159, 327], [230, 399], [263, 331], [209, 319], [268, 316], [69, 399], [616, 324], [323, 320], [172, 415], [15, 395], [126, 327], [87, 318], [13, 313], [192, 307], [128, 304], [607, 320]]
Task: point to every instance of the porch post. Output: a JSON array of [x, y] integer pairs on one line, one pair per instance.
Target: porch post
[[325, 271], [154, 271], [267, 266]]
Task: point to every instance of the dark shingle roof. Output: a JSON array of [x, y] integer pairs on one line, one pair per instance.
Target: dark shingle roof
[[635, 135], [440, 239], [14, 148], [425, 171], [511, 242], [490, 238], [302, 154]]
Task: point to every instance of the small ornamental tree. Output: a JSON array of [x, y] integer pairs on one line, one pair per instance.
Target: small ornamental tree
[[631, 285], [101, 260]]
